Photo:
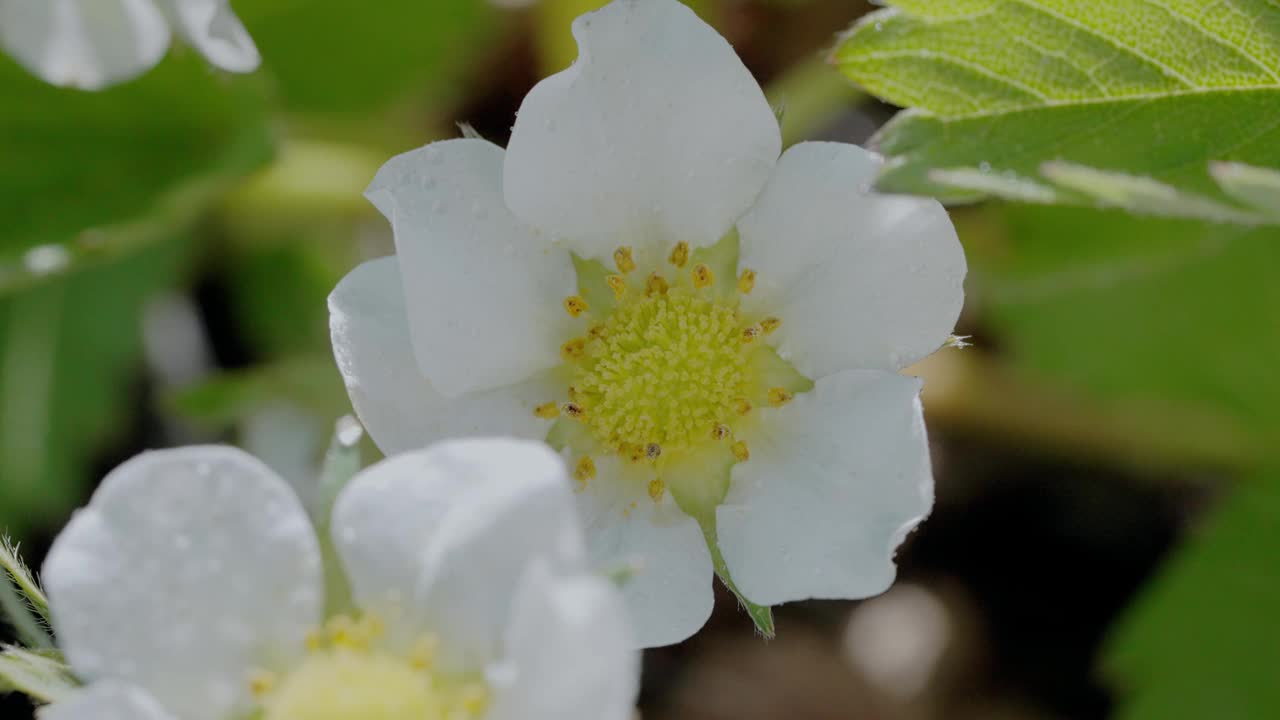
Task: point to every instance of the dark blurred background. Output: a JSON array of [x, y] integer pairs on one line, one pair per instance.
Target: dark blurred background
[[167, 247]]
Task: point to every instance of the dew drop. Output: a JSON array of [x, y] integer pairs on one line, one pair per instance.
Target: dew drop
[[348, 431]]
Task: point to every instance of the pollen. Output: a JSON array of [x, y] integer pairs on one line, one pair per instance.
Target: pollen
[[575, 305], [656, 285], [679, 254], [741, 451], [742, 406], [618, 284], [747, 281], [573, 410], [623, 260], [750, 333], [584, 469], [779, 396], [721, 432], [702, 276], [574, 349], [547, 411], [656, 489], [769, 324]]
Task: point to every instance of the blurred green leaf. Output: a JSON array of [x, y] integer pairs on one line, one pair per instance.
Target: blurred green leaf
[[1141, 95], [339, 58], [90, 176], [43, 676], [1203, 641], [68, 351], [308, 382]]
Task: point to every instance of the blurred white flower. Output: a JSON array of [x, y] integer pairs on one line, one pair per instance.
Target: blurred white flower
[[191, 588], [91, 44], [709, 332]]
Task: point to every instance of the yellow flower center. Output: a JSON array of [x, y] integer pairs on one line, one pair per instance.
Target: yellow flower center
[[348, 673], [667, 370]]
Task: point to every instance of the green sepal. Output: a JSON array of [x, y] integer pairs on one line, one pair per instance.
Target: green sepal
[[761, 615], [722, 258], [593, 285]]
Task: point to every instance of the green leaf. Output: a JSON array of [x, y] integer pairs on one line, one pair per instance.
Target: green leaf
[[1155, 90], [90, 177], [1203, 641], [42, 676], [22, 601]]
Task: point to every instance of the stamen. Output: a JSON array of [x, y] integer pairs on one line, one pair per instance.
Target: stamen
[[747, 281], [623, 259], [750, 333], [741, 451], [656, 285], [547, 411], [423, 655], [769, 324], [262, 683], [618, 284], [679, 254], [634, 453], [742, 406], [574, 349], [721, 432], [573, 410], [702, 276], [584, 469], [656, 489], [779, 396], [575, 305], [653, 451], [597, 331], [474, 699]]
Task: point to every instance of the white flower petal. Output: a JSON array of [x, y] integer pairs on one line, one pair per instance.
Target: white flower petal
[[836, 480], [188, 568], [656, 134], [106, 700], [518, 508], [860, 279], [568, 652], [483, 292], [88, 44], [211, 26], [399, 407], [670, 594]]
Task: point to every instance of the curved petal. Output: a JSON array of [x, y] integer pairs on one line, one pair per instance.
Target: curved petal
[[211, 27], [400, 408], [518, 508], [836, 480], [188, 569], [88, 44], [860, 279], [483, 292], [106, 700], [568, 652], [656, 134], [669, 590]]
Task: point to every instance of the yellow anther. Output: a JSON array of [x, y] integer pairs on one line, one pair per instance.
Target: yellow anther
[[473, 699], [423, 654], [721, 432], [574, 349], [573, 410], [547, 411], [623, 259], [749, 333], [575, 305], [702, 276], [769, 324], [656, 489], [653, 451], [747, 281], [679, 254], [584, 469], [656, 285], [742, 406], [597, 331], [741, 451], [618, 284], [634, 453], [575, 395], [779, 397], [262, 683]]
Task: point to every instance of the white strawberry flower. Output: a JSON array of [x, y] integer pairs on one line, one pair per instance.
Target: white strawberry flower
[[91, 44], [710, 333], [192, 588]]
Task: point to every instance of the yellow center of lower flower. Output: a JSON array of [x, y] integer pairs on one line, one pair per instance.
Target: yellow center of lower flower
[[349, 673], [667, 370]]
